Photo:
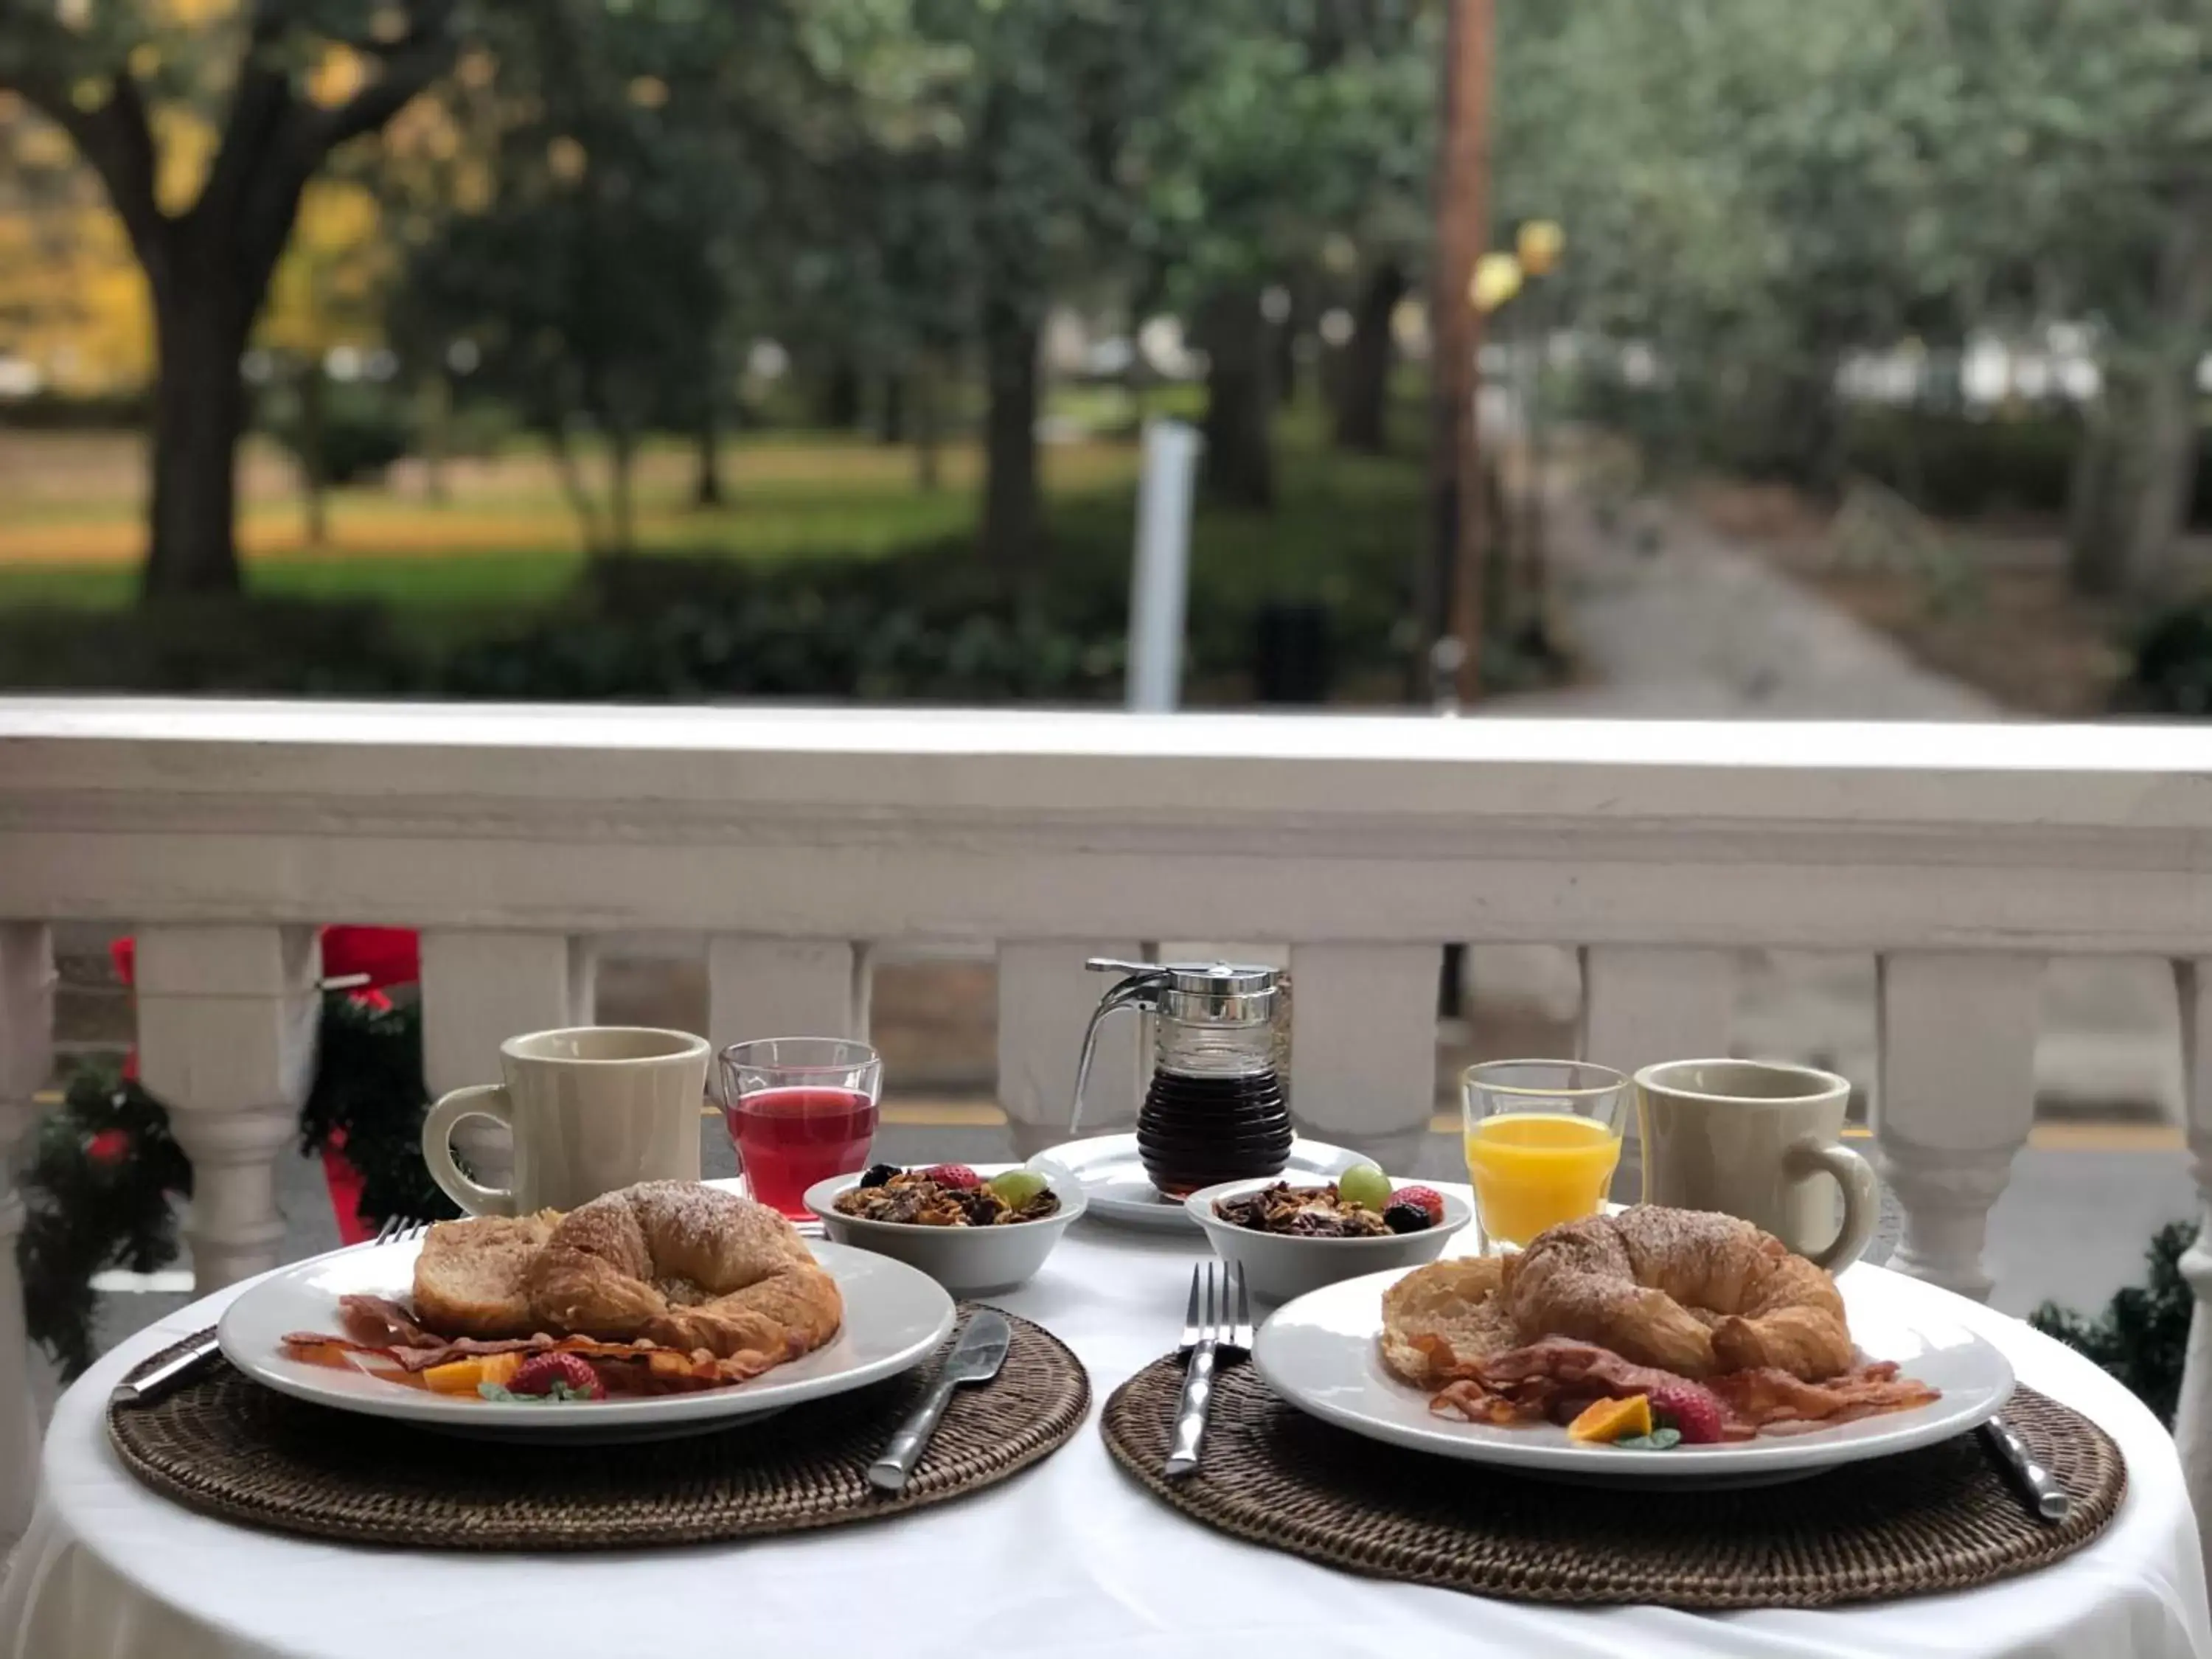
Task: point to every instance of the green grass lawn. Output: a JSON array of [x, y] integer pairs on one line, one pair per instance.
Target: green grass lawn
[[857, 580], [507, 542]]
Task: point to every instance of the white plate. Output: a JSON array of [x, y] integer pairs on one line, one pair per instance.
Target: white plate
[[1320, 1353], [1114, 1182], [895, 1317]]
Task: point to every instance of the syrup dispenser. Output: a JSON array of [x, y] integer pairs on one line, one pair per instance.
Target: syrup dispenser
[[1215, 1109]]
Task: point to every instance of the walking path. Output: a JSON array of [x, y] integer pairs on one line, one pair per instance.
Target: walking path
[[1695, 628]]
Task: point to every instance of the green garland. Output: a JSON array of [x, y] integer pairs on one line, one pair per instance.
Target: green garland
[[97, 1195], [369, 1088], [106, 1169]]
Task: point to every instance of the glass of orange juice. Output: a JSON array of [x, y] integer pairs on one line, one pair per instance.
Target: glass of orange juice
[[1543, 1137]]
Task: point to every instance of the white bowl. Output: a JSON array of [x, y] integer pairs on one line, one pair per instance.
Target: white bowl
[[1279, 1266], [966, 1260]]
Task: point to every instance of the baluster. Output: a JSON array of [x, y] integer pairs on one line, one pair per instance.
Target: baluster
[[1045, 999], [2192, 1423], [480, 988], [226, 1020], [1363, 1047], [27, 1009], [1643, 1004], [765, 987], [1957, 1098]]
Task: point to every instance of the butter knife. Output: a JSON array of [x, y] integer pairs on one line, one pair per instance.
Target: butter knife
[[2047, 1501], [976, 1358], [184, 1366]]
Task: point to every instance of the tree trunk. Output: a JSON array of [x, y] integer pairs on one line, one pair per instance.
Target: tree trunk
[[1363, 410], [2163, 464], [199, 414], [707, 485], [927, 471], [841, 396], [1239, 456], [1011, 540], [314, 481], [891, 413], [1283, 347], [567, 468], [622, 520], [436, 406]]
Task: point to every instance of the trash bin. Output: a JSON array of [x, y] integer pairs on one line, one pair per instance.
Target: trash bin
[[1292, 653]]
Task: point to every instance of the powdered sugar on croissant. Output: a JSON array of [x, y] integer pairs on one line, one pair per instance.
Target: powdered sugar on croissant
[[1688, 1290], [686, 1266]]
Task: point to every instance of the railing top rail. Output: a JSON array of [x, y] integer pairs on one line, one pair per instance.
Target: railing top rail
[[963, 824], [2163, 749]]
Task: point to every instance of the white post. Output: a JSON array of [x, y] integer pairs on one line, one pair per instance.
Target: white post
[[480, 987], [2192, 1419], [1046, 997], [1643, 1004], [1956, 1102], [769, 988], [1162, 577], [1364, 1046], [226, 1019], [27, 1007]]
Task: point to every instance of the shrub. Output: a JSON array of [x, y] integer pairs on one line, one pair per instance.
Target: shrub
[[2143, 1336], [290, 647], [2169, 665]]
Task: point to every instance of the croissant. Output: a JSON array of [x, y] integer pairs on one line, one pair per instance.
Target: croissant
[[1687, 1290], [688, 1267]]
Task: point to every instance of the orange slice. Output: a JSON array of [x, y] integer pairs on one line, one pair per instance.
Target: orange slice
[[1608, 1420]]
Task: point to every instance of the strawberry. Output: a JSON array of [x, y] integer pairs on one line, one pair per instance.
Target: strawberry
[[542, 1371], [1695, 1411], [952, 1174], [1424, 1198]]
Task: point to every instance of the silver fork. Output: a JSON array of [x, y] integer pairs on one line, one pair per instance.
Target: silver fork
[[400, 1229], [1216, 1326], [187, 1364]]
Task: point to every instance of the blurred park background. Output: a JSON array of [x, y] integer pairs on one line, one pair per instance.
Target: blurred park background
[[662, 349]]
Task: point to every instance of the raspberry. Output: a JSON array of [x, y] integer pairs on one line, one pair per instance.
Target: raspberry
[[952, 1174], [1426, 1198], [1694, 1411], [542, 1371]]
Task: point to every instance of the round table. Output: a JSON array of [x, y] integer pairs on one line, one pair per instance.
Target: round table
[[1070, 1558]]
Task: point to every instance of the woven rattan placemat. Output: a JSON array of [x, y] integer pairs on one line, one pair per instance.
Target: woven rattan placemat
[[1938, 1519], [227, 1447]]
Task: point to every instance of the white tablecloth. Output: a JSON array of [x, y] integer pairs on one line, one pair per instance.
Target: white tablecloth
[[1070, 1558]]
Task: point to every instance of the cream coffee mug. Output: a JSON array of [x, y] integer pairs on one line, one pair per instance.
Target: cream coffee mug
[[1757, 1139], [592, 1110]]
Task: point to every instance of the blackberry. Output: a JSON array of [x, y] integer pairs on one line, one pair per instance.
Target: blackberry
[[879, 1174], [1405, 1218]]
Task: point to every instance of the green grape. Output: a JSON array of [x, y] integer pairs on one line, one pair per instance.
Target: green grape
[[1018, 1186], [1364, 1185]]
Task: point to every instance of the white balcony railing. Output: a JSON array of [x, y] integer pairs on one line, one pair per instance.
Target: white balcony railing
[[791, 842]]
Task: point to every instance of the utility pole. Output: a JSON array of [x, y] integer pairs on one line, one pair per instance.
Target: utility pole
[[1454, 590]]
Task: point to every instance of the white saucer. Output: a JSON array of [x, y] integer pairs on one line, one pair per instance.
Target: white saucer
[[895, 1317], [1117, 1189], [1320, 1353]]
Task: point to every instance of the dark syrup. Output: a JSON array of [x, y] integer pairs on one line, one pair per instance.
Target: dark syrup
[[1194, 1131]]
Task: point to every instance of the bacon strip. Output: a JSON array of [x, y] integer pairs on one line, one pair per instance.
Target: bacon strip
[[1557, 1377], [629, 1368]]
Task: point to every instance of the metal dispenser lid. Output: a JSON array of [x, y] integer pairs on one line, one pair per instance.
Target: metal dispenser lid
[[1218, 993]]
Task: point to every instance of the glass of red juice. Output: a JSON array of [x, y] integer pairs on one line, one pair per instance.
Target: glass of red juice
[[801, 1110]]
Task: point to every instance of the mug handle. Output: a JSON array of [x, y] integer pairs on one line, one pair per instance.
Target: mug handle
[[1812, 1156], [478, 1100]]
